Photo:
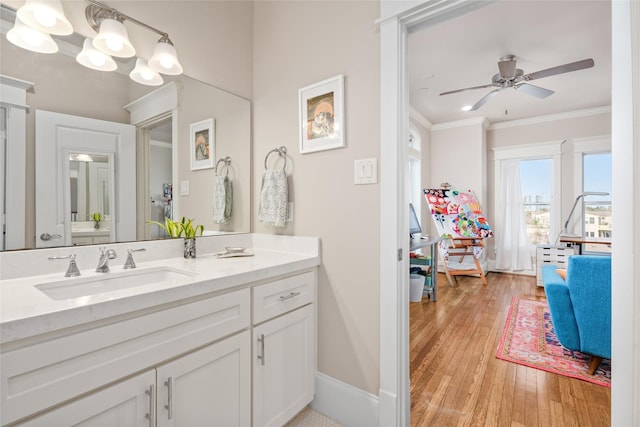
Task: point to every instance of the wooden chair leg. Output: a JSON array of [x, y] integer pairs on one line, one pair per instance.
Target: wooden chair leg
[[594, 363], [479, 268]]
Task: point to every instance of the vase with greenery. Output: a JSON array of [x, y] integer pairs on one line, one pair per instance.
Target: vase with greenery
[[183, 228], [96, 217]]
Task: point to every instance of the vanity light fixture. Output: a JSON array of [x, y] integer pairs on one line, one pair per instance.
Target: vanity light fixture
[[46, 16], [113, 39], [31, 39], [143, 74], [165, 58], [92, 58]]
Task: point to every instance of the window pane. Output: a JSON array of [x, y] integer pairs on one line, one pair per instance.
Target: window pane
[[597, 208], [535, 184], [535, 180]]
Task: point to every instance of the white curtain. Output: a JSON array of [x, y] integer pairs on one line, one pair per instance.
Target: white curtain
[[513, 250]]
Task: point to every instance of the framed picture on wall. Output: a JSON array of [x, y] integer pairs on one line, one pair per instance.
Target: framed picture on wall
[[202, 136], [321, 107]]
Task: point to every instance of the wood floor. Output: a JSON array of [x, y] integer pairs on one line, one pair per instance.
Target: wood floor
[[456, 380]]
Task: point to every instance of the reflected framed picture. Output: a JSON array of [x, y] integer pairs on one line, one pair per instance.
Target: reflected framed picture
[[202, 136], [321, 112]]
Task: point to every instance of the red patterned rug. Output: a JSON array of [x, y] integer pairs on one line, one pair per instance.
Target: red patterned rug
[[530, 340]]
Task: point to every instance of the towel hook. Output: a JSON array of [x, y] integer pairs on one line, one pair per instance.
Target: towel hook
[[226, 161], [282, 152]]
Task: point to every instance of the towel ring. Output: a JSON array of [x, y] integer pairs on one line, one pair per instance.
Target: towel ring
[[282, 152], [226, 161]]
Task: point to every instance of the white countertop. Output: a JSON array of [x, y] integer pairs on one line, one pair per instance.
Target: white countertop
[[25, 311]]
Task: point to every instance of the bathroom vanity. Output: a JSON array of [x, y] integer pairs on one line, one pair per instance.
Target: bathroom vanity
[[175, 342]]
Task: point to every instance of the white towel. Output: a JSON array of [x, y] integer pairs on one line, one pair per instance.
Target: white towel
[[274, 198], [222, 199]]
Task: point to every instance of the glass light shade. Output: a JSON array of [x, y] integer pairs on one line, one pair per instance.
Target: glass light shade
[[46, 16], [143, 74], [31, 39], [165, 59], [92, 58], [113, 39]]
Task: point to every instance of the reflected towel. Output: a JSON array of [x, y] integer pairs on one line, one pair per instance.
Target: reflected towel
[[274, 198], [222, 199]]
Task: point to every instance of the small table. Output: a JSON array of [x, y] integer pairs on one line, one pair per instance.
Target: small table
[[431, 242], [579, 241]]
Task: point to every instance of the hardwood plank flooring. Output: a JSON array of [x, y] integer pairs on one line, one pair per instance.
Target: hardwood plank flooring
[[456, 380]]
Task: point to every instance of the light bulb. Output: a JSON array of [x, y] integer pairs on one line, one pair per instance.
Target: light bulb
[[146, 74], [97, 59], [166, 63], [114, 44], [44, 17]]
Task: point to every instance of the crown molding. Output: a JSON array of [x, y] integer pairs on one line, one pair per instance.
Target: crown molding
[[460, 123], [551, 117], [415, 115]]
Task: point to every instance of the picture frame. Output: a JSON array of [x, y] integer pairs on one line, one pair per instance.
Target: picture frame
[[321, 115], [202, 139]]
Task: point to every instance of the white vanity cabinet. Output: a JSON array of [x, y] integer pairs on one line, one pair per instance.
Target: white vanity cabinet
[[284, 349], [127, 403], [211, 386], [181, 364]]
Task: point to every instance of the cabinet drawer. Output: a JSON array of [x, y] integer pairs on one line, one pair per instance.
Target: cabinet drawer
[[281, 296], [44, 374]]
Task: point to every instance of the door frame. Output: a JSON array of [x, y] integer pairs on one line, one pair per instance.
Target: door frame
[[397, 22]]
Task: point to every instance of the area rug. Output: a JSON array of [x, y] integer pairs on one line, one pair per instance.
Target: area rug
[[530, 340]]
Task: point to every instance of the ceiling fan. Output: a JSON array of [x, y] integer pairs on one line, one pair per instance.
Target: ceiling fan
[[512, 77]]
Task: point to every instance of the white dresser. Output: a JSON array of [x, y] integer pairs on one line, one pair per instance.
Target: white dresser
[[550, 254]]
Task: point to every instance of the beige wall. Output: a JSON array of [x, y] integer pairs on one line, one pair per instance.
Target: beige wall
[[297, 44]]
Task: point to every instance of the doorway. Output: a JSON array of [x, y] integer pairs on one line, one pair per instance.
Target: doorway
[[395, 26]]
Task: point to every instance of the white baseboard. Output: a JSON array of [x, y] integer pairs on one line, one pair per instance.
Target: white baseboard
[[345, 403]]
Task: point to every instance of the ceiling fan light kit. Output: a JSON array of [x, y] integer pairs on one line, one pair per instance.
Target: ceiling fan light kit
[[509, 76]]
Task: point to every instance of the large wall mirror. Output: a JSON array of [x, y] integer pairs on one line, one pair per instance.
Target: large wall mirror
[[159, 181]]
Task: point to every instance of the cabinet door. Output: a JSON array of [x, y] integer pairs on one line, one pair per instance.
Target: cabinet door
[[128, 403], [283, 366], [209, 387]]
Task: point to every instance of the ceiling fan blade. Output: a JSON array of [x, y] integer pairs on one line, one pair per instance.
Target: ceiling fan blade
[[484, 99], [560, 69], [467, 88], [537, 91]]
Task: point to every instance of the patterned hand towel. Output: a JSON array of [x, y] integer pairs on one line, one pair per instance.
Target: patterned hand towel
[[222, 199], [274, 198]]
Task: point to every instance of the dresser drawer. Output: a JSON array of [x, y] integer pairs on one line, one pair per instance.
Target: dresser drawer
[[278, 297], [557, 255]]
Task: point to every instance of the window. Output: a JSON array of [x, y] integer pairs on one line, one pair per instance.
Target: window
[[596, 177], [535, 184]]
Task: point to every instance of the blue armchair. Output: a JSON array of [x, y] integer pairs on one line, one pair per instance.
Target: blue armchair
[[581, 305]]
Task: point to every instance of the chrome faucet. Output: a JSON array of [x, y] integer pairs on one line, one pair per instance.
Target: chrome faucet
[[130, 263], [103, 262], [72, 270]]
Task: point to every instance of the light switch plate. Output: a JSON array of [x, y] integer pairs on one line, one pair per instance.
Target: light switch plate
[[184, 188], [365, 171]]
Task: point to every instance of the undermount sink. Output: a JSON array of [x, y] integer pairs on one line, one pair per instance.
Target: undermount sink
[[109, 282]]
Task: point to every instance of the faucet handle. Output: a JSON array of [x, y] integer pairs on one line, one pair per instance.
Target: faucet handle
[[72, 270], [129, 263]]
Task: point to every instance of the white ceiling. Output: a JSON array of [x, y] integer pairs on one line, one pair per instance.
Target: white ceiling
[[464, 52]]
